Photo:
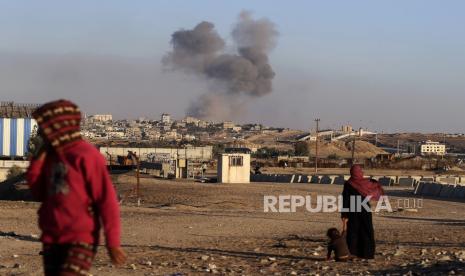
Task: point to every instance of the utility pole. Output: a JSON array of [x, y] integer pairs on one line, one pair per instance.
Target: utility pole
[[353, 149], [316, 144]]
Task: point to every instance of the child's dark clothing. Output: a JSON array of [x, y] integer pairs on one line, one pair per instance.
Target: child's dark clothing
[[339, 246]]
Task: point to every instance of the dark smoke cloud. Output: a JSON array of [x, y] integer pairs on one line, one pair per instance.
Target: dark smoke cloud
[[246, 73]]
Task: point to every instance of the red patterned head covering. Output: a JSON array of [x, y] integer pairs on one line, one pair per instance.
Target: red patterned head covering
[[363, 185], [59, 122]]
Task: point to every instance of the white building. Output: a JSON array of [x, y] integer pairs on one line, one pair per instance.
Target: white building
[[101, 117], [191, 120], [234, 166], [16, 127], [237, 128], [15, 134], [165, 118], [432, 148], [228, 125]]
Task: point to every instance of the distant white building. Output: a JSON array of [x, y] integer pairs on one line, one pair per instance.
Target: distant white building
[[347, 128], [234, 166], [202, 124], [237, 128], [432, 148], [101, 117], [166, 118], [191, 120], [228, 125]]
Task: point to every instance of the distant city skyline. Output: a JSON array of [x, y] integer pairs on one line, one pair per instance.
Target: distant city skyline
[[392, 66]]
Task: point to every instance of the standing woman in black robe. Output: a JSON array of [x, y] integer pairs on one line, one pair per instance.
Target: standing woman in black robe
[[360, 232]]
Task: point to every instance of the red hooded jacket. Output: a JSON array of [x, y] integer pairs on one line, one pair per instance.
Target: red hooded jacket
[[76, 194]]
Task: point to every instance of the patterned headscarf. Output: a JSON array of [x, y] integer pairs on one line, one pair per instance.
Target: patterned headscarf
[[364, 186], [59, 122]]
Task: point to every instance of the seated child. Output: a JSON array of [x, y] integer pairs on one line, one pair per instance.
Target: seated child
[[338, 244]]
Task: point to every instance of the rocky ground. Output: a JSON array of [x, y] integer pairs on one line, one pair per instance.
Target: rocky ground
[[186, 228]]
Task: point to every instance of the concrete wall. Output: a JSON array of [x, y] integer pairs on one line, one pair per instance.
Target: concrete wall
[[201, 153], [5, 165], [432, 189], [234, 174], [402, 181]]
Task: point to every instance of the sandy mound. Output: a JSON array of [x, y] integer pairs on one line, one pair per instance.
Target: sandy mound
[[343, 149]]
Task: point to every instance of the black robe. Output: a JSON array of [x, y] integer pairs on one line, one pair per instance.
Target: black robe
[[360, 232]]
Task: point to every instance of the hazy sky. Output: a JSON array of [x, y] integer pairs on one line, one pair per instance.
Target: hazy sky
[[386, 65]]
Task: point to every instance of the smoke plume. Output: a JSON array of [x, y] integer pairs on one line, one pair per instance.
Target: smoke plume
[[232, 78]]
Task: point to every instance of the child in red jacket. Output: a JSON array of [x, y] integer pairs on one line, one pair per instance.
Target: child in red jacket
[[70, 178]]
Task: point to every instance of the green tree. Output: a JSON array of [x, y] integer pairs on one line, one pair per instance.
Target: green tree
[[301, 148], [333, 156], [14, 172], [35, 143]]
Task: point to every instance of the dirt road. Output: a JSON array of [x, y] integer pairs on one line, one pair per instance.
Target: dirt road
[[196, 229]]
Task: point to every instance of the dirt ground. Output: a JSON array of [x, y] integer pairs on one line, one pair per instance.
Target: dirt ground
[[196, 229]]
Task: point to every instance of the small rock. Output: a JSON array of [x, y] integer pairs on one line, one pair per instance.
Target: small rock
[[272, 259], [133, 266], [445, 258], [293, 273], [148, 263], [204, 257], [423, 251], [16, 266], [212, 266], [460, 254], [316, 254], [15, 256], [280, 244], [451, 272]]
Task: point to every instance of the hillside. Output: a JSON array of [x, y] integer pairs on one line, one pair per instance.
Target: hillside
[[343, 149]]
